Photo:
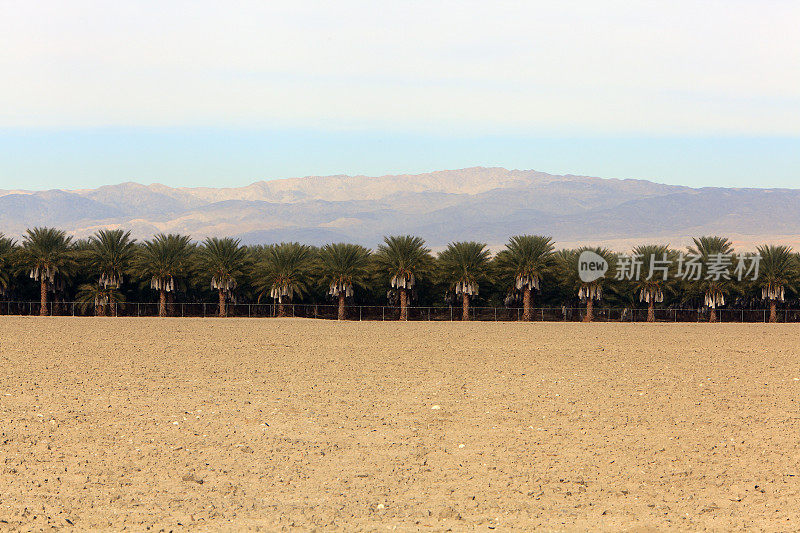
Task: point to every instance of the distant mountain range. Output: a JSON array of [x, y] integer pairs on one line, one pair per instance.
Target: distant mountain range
[[485, 204]]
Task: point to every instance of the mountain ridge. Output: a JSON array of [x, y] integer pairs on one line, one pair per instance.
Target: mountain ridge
[[487, 204]]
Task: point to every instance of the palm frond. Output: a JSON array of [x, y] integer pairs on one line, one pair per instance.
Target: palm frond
[[342, 267], [525, 261], [464, 266], [46, 253], [164, 259], [283, 271], [224, 260], [403, 259]]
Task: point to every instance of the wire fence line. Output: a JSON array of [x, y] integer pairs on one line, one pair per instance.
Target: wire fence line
[[416, 313]]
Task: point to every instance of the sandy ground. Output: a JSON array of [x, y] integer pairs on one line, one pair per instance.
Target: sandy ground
[[233, 424]]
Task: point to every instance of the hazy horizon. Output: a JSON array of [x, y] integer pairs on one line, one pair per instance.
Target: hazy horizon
[[245, 183], [42, 160]]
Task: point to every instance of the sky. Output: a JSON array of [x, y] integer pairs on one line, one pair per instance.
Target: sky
[[208, 93]]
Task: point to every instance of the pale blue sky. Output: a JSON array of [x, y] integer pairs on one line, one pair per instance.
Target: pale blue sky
[[212, 157], [209, 93]]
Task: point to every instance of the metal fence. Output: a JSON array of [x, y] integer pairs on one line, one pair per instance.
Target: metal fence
[[417, 313]]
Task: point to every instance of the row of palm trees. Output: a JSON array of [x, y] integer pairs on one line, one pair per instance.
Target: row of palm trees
[[529, 264]]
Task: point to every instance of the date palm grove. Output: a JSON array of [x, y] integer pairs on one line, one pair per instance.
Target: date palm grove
[[110, 270]]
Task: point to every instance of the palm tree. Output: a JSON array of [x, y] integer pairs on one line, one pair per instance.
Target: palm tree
[[592, 291], [588, 292], [463, 266], [224, 260], [778, 272], [654, 278], [524, 263], [46, 253], [163, 259], [7, 250], [282, 271], [342, 267], [109, 253], [404, 259], [99, 296], [710, 249]]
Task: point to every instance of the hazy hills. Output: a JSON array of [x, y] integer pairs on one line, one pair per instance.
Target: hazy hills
[[486, 204]]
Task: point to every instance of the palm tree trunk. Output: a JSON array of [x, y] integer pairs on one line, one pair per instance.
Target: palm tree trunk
[[222, 311], [403, 305], [43, 294], [341, 306], [162, 303], [526, 304], [281, 310], [589, 310], [465, 307], [651, 312], [713, 315], [773, 311]]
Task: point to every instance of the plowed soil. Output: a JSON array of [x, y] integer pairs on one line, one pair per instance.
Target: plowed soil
[[273, 424]]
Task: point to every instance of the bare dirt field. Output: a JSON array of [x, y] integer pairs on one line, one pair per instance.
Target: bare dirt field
[[208, 424]]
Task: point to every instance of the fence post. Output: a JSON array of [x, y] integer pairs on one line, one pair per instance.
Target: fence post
[[383, 313], [359, 313], [204, 309]]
